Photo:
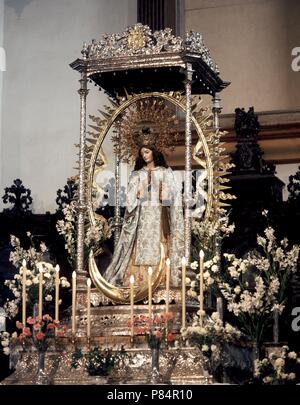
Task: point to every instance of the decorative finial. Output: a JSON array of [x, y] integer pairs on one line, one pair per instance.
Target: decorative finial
[[84, 51]]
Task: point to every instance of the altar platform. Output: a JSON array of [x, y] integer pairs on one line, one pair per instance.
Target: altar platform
[[183, 365], [179, 363]]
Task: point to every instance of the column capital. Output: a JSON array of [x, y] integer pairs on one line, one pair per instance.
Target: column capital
[[83, 92]]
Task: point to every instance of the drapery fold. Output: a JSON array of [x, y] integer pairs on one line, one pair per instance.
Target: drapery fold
[[144, 223]]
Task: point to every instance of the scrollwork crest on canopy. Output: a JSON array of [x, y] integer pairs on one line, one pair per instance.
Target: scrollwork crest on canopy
[[140, 40]]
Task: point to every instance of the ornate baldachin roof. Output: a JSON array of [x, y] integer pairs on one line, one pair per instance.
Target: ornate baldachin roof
[[140, 40]]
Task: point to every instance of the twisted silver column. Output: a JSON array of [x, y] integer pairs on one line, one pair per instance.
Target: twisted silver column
[[216, 109], [117, 195], [81, 271], [188, 164]]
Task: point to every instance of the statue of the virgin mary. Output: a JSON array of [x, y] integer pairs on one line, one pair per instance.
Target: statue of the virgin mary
[[153, 216]]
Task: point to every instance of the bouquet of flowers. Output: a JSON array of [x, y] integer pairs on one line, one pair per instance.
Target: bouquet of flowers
[[278, 368], [217, 342], [213, 332], [34, 258], [157, 329], [38, 332], [205, 237], [205, 234], [211, 268], [94, 234], [4, 340], [255, 287]]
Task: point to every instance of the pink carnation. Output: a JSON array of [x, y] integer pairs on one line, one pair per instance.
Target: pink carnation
[[19, 325], [40, 336], [26, 332], [30, 320]]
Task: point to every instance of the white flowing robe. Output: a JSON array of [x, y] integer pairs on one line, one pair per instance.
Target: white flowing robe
[[142, 223]]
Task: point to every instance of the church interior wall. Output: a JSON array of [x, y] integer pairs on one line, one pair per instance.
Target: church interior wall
[[252, 42], [41, 104]]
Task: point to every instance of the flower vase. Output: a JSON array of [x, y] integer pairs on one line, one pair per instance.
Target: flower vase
[[155, 376], [155, 358], [41, 376]]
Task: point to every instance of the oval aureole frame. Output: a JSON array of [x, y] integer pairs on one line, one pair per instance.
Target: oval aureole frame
[[122, 294]]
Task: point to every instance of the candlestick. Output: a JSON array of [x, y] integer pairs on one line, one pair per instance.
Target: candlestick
[[24, 270], [183, 283], [131, 307], [88, 308], [167, 284], [56, 317], [150, 291], [40, 313], [73, 303], [201, 255]]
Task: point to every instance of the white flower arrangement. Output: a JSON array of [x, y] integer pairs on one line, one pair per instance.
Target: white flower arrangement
[[31, 255], [94, 235], [211, 337], [211, 268], [254, 287], [4, 342], [205, 233], [67, 228], [205, 236], [278, 368], [32, 281], [213, 331], [34, 258]]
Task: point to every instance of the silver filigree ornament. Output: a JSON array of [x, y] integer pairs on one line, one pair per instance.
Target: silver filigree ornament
[[194, 43], [135, 40], [140, 40]]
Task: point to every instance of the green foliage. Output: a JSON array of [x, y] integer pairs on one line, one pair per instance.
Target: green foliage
[[98, 361], [76, 358]]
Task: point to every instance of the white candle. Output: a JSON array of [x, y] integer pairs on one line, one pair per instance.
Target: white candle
[[88, 308], [201, 255], [56, 317], [40, 291], [131, 306], [24, 270], [73, 303], [150, 291], [167, 284], [183, 282]]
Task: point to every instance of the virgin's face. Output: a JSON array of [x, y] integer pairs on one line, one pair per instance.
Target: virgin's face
[[147, 155]]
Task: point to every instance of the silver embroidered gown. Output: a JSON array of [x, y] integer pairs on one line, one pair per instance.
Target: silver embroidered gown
[[153, 216]]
